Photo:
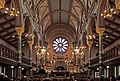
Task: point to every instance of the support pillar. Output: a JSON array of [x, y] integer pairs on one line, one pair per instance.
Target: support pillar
[[37, 53], [89, 42], [19, 30], [100, 32], [30, 42]]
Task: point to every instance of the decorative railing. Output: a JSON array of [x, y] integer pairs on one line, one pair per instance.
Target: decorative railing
[[8, 53], [12, 55], [25, 60], [94, 60], [110, 54]]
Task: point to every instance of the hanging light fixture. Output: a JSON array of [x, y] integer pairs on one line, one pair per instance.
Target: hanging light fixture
[[108, 11], [10, 8], [2, 4], [117, 3]]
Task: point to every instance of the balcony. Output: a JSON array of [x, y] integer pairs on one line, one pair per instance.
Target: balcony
[[8, 56], [108, 57]]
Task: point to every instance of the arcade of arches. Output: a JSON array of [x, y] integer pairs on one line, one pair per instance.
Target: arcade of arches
[[64, 40]]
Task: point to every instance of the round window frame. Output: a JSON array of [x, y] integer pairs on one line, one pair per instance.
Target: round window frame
[[55, 49]]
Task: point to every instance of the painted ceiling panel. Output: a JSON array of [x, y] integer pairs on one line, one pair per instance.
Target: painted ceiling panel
[[65, 4], [54, 4], [64, 18], [56, 17], [46, 11], [41, 10]]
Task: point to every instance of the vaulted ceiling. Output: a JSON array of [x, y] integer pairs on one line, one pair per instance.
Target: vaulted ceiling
[[72, 13]]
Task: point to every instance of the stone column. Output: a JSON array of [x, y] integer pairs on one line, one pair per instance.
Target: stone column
[[74, 48], [89, 42], [30, 42], [37, 53], [100, 31], [19, 30]]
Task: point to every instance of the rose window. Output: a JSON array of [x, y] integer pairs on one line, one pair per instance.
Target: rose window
[[60, 45]]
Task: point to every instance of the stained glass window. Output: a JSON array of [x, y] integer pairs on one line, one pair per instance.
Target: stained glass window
[[60, 45]]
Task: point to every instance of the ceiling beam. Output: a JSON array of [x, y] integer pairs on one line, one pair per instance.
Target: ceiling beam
[[108, 33], [60, 10], [111, 22], [11, 20], [7, 42], [9, 33], [44, 11], [50, 9], [113, 29], [4, 29], [17, 42], [108, 38], [12, 37], [7, 20], [70, 9], [104, 41]]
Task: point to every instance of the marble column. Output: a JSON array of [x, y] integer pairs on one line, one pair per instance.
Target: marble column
[[30, 42], [100, 32], [89, 42], [19, 30]]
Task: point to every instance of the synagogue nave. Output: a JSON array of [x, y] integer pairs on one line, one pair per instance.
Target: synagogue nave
[[59, 40]]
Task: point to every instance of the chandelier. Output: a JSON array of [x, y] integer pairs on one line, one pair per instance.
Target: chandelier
[[10, 8], [108, 11]]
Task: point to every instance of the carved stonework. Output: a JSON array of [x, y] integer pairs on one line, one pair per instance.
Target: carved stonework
[[117, 3], [2, 4], [19, 30]]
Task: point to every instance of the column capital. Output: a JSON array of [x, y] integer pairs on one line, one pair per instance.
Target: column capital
[[31, 41], [89, 43], [117, 3], [19, 30], [100, 31], [30, 44], [2, 4], [89, 39]]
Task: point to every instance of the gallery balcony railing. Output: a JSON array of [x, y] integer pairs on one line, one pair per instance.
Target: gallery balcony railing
[[11, 55], [95, 60], [8, 53], [25, 60], [110, 54]]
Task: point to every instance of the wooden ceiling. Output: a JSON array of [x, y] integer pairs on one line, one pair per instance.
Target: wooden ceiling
[[71, 12]]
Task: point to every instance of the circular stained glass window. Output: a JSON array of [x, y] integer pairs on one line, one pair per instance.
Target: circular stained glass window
[[60, 45]]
